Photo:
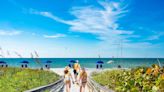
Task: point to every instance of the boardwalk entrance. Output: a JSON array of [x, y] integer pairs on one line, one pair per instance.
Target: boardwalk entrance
[[58, 86]]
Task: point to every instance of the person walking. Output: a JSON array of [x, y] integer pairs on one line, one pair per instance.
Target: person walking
[[76, 69], [83, 80], [67, 79]]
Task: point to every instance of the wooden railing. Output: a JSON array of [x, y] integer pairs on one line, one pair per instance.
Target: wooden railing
[[53, 87], [95, 87]]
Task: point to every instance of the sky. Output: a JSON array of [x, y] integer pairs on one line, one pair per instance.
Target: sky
[[82, 28]]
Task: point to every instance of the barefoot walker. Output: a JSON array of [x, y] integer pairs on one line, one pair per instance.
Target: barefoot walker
[[83, 80], [67, 79]]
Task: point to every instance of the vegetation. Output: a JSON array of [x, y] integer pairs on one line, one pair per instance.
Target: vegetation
[[18, 80], [141, 79]]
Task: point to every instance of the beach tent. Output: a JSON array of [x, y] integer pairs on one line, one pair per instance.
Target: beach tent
[[24, 64], [3, 64]]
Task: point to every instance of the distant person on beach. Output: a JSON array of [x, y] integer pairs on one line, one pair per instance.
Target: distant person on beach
[[97, 66], [119, 66], [22, 66], [76, 69], [67, 79], [26, 66], [101, 66], [83, 80]]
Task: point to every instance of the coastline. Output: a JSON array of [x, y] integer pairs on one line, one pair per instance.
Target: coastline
[[85, 62], [59, 71]]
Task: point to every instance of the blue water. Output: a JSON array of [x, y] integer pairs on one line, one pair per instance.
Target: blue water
[[86, 62]]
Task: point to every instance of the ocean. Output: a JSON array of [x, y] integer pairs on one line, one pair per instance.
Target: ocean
[[86, 62]]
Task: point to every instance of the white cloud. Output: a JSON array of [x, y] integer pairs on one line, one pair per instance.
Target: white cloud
[[9, 32], [123, 32], [156, 36], [47, 14], [54, 36], [99, 21]]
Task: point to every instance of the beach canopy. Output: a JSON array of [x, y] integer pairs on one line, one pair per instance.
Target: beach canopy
[[2, 62], [25, 62], [48, 61], [72, 61], [100, 62]]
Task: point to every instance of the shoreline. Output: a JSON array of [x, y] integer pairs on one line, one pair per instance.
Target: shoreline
[[84, 57], [60, 71]]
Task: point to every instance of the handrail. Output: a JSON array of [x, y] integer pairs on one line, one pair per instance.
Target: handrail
[[95, 87], [58, 85]]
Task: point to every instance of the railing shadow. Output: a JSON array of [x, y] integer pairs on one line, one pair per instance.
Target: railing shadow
[[53, 87]]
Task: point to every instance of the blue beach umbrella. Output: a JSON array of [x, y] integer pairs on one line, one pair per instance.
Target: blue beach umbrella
[[48, 61], [100, 62], [72, 61], [2, 62], [25, 62]]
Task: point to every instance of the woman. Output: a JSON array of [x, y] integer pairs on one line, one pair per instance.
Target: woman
[[67, 79], [83, 80]]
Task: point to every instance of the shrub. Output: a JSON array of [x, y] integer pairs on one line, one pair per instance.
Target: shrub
[[18, 80], [141, 79]]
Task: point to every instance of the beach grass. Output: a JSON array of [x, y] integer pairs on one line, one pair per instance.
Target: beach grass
[[19, 80], [141, 79]]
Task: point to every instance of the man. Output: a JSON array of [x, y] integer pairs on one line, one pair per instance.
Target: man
[[76, 69]]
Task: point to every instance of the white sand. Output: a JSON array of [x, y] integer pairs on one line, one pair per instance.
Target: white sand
[[60, 71]]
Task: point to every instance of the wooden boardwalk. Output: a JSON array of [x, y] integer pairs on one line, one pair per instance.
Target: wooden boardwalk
[[76, 88], [59, 86], [90, 87]]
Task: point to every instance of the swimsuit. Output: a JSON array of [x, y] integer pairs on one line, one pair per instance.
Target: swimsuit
[[67, 78]]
